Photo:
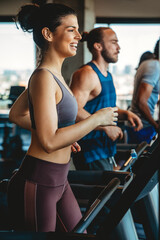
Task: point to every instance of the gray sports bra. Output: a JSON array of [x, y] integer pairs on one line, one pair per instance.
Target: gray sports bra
[[66, 109]]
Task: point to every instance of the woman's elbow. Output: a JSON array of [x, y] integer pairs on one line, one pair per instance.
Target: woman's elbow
[[48, 149], [48, 146]]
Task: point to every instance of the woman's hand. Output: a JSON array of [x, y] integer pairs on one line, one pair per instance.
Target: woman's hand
[[75, 147], [107, 116]]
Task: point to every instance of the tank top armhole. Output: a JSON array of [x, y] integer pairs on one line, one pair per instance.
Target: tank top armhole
[[55, 78], [29, 98]]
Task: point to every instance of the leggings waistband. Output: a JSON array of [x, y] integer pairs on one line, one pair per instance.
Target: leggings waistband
[[44, 172]]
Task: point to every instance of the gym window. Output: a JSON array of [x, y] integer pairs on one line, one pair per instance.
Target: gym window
[[17, 59]]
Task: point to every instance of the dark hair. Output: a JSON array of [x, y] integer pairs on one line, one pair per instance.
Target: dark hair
[[157, 50], [33, 18], [146, 56], [94, 36]]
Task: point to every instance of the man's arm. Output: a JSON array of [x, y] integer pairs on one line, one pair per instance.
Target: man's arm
[[131, 117], [83, 86], [143, 95]]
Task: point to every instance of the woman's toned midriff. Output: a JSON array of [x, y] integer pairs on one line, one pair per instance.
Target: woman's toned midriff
[[36, 150]]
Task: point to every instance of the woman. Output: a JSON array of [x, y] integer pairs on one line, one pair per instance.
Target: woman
[[39, 192]]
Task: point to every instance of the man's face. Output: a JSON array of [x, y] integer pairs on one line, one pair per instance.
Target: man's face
[[110, 46]]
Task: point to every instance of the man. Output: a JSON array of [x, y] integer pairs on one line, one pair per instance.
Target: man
[[145, 97], [93, 88]]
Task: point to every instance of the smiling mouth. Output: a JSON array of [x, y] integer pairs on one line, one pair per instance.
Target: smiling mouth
[[74, 46]]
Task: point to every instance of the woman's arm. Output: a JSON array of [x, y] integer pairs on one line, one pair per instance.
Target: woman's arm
[[19, 112], [44, 92]]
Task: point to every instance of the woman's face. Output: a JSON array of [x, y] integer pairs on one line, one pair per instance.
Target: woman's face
[[66, 36]]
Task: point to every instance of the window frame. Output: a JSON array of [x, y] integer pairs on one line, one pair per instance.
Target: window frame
[[107, 20]]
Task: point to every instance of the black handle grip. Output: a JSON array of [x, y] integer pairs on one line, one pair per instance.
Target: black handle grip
[[141, 147], [97, 205]]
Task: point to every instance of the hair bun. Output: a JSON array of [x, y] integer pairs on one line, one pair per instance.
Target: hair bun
[[84, 36], [27, 16], [39, 2]]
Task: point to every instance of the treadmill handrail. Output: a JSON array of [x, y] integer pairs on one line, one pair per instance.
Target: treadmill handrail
[[149, 166], [138, 151], [97, 205]]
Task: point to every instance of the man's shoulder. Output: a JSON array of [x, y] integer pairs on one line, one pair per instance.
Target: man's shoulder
[[151, 64], [85, 71], [85, 77], [86, 67]]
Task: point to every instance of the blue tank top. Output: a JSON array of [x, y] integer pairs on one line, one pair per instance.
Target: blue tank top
[[96, 145], [66, 109]]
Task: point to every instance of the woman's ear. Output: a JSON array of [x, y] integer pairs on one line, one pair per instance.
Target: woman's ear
[[97, 46], [47, 34]]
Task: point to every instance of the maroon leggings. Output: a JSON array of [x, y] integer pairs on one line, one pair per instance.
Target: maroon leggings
[[39, 195]]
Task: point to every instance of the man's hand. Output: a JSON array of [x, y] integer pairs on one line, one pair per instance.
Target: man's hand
[[134, 120], [113, 132]]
